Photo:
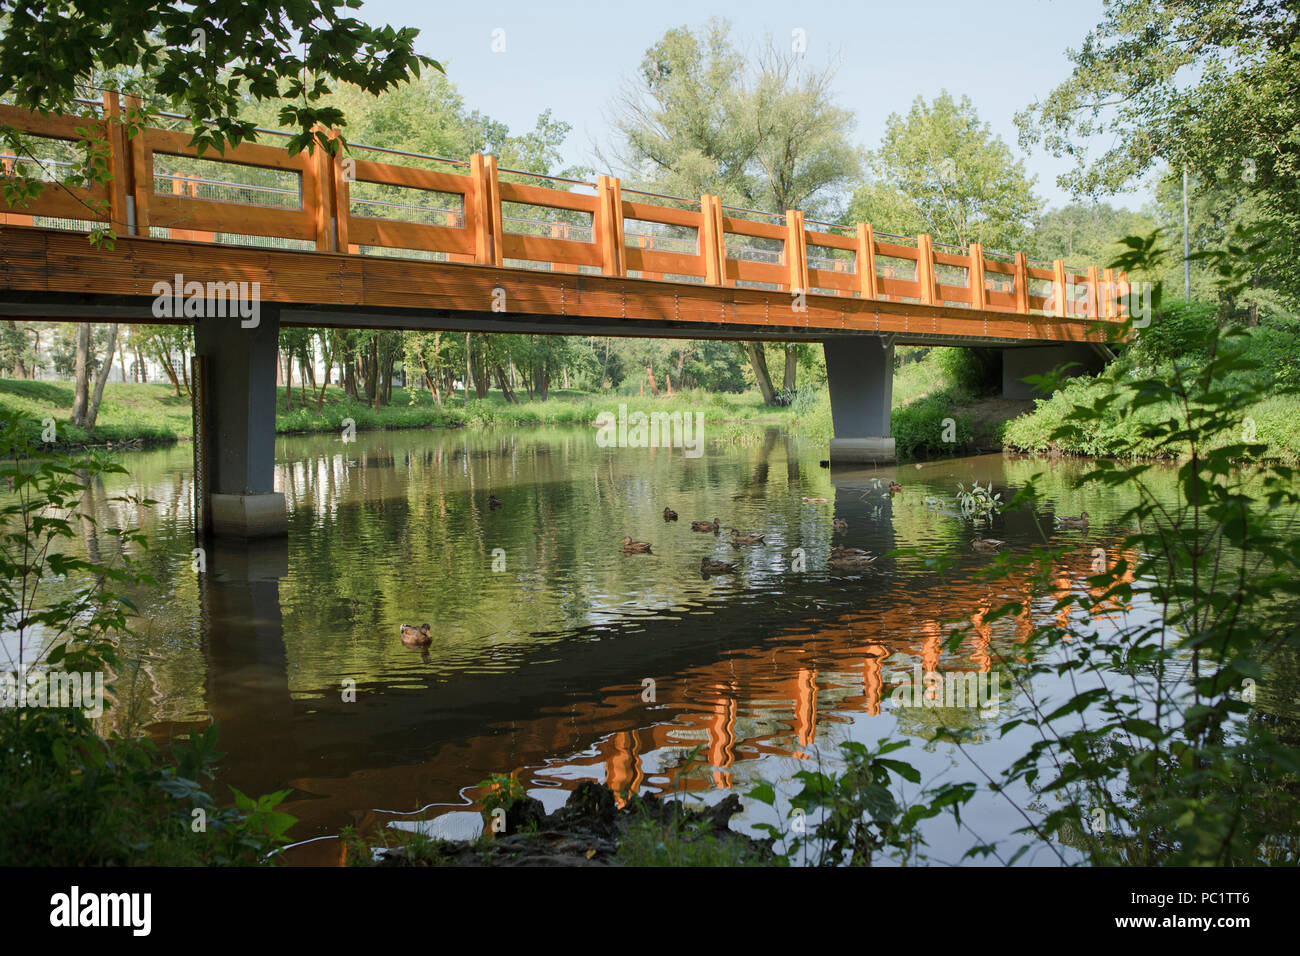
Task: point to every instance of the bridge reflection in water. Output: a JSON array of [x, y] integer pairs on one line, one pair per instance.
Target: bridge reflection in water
[[763, 682]]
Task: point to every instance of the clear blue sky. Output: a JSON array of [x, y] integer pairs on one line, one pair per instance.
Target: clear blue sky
[[571, 56]]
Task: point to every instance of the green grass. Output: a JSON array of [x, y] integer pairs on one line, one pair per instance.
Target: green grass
[[925, 392], [1274, 416], [128, 410], [153, 413]]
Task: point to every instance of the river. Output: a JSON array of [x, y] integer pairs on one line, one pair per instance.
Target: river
[[556, 657]]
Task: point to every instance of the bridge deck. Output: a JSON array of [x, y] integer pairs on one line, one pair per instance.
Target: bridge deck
[[362, 242]]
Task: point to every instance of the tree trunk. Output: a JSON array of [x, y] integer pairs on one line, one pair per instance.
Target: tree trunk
[[390, 363], [328, 346], [650, 377], [504, 384], [467, 365], [165, 361], [81, 386], [20, 368], [758, 362], [288, 380], [791, 365], [541, 381], [102, 377]]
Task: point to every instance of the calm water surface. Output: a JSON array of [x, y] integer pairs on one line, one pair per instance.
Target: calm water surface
[[556, 657]]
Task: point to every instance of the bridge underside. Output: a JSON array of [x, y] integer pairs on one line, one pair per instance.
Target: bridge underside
[[58, 276]]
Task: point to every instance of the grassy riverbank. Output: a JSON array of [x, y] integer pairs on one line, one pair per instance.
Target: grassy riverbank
[[153, 413], [941, 407], [1263, 361], [927, 391]]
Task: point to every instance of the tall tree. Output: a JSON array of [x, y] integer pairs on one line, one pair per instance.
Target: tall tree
[[942, 171], [765, 135], [101, 377], [1209, 86]]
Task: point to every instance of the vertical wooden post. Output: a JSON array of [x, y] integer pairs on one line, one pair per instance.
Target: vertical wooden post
[[1060, 301], [341, 205], [178, 189], [487, 209], [609, 226], [866, 263], [322, 197], [192, 190], [141, 174], [1123, 289], [119, 162], [494, 209], [925, 267], [796, 250], [1021, 283], [712, 246], [1108, 282], [978, 292], [1094, 305]]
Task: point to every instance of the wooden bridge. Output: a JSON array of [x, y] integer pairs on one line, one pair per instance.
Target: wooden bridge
[[378, 238]]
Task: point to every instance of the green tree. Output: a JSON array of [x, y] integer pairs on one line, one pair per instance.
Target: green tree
[[1210, 86], [1086, 232], [204, 58], [940, 170], [764, 135]]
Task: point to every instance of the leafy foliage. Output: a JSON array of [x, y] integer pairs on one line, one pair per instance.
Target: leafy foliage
[[70, 796]]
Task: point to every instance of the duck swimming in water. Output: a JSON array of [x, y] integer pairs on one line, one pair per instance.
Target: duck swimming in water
[[838, 552], [712, 526], [709, 566], [839, 524], [987, 545], [635, 547], [851, 560], [1080, 522], [416, 636], [670, 515], [494, 502], [737, 538]]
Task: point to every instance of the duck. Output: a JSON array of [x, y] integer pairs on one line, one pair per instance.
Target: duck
[[494, 502], [635, 547], [895, 487], [987, 545], [710, 566], [1080, 522], [851, 560], [815, 501], [839, 524], [839, 552], [737, 538], [713, 526], [416, 636], [670, 515]]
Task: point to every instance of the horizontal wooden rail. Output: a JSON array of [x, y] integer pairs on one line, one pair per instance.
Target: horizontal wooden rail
[[461, 220]]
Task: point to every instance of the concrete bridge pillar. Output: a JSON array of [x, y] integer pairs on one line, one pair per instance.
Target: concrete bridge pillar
[[235, 426], [1019, 362], [860, 373]]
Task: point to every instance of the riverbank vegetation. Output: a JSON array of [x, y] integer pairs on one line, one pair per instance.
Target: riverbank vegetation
[[80, 784]]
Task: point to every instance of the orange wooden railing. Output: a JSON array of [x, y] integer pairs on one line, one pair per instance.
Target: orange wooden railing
[[868, 266]]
